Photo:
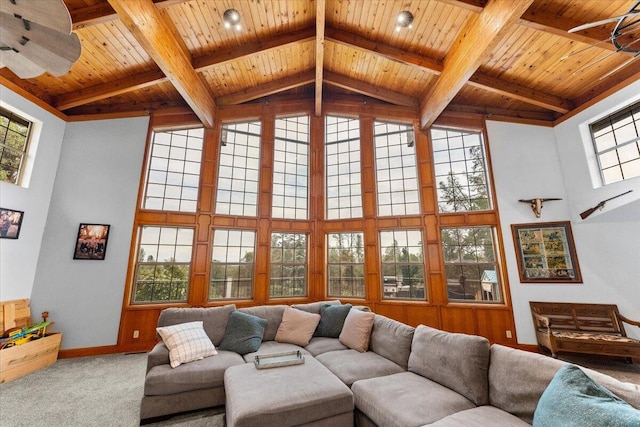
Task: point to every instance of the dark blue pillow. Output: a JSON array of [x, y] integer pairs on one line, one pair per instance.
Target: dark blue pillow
[[331, 320], [572, 399], [244, 333]]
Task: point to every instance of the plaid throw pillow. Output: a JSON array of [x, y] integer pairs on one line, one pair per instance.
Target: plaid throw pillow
[[186, 342]]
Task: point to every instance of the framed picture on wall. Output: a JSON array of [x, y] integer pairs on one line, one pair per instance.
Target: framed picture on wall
[[92, 241], [546, 253], [10, 223]]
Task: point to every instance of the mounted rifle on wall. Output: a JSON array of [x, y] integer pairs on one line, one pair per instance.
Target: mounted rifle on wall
[[588, 212]]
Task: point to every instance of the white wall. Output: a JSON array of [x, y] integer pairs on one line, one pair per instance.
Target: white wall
[[530, 162], [18, 258], [97, 182]]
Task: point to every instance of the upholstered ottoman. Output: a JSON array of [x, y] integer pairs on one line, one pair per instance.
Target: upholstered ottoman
[[286, 396]]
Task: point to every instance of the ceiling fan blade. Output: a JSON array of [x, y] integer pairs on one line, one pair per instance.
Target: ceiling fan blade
[[49, 13], [52, 50], [621, 66], [602, 22], [20, 65]]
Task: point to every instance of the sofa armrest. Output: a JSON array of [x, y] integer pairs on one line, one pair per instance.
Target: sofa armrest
[[159, 355], [543, 321], [627, 320]]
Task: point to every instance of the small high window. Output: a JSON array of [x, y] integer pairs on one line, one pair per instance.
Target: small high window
[[460, 169], [616, 140], [288, 265], [14, 142], [163, 265], [345, 264], [239, 169], [173, 174]]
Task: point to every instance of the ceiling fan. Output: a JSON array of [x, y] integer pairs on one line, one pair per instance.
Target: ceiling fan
[[36, 37], [622, 28]]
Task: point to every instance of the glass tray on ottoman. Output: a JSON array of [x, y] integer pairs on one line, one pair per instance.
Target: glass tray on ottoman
[[265, 361]]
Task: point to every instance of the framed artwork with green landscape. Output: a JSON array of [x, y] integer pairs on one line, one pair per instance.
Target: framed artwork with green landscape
[[546, 253]]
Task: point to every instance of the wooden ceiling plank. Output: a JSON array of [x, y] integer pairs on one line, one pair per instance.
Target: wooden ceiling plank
[[109, 89], [103, 12], [377, 92], [473, 44], [479, 80], [267, 89], [155, 35], [320, 24]]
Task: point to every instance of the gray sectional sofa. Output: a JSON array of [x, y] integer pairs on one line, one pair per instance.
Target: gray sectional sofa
[[407, 377]]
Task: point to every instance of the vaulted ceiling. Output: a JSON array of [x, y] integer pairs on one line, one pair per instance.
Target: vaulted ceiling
[[501, 58]]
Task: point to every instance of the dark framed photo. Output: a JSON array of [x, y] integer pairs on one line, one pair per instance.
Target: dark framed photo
[[10, 223], [92, 241], [546, 253]]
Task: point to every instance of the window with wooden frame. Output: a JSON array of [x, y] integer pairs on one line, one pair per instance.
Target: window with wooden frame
[[345, 265], [396, 170], [460, 170], [288, 265], [290, 199], [14, 142], [163, 264], [173, 172], [470, 264], [616, 141], [402, 267], [239, 169], [343, 168], [232, 264]]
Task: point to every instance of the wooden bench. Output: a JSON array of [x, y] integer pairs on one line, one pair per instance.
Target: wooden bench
[[583, 328]]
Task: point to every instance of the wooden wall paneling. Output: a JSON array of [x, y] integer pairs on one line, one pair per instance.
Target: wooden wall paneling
[[494, 324], [391, 310], [420, 314], [143, 321], [437, 288], [199, 287], [458, 319]]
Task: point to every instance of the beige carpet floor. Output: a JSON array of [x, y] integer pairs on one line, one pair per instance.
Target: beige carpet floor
[[105, 391]]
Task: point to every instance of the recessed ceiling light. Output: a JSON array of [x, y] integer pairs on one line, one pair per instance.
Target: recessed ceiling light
[[231, 18], [404, 20]]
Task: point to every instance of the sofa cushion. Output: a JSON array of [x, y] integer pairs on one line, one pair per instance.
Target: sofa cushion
[[331, 320], [244, 333], [392, 339], [186, 342], [351, 365], [457, 361], [273, 347], [214, 319], [314, 307], [272, 314], [204, 373], [297, 327], [572, 399], [482, 416], [356, 331], [406, 399], [319, 345]]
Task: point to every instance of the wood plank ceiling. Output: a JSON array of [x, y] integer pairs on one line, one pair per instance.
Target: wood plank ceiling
[[497, 57]]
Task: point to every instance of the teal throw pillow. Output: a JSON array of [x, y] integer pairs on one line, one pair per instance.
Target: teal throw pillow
[[331, 320], [244, 333], [572, 399]]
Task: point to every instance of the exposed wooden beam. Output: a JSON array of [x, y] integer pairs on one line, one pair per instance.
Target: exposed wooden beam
[[479, 80], [156, 36], [109, 89], [320, 23], [377, 92], [474, 42], [267, 89], [247, 50], [103, 12]]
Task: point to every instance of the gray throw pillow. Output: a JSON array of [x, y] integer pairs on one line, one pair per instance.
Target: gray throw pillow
[[243, 334], [331, 320]]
